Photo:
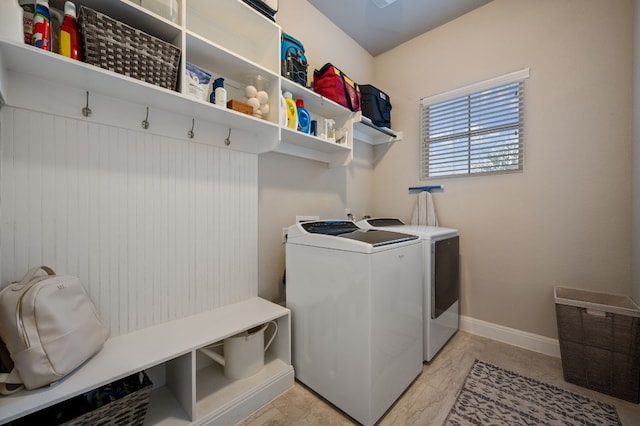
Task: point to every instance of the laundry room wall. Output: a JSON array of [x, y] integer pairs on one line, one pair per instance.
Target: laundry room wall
[[290, 186], [566, 219], [636, 159]]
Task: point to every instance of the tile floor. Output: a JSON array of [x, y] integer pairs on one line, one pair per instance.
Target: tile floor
[[428, 400]]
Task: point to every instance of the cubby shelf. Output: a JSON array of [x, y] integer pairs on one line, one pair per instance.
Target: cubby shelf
[[172, 348]]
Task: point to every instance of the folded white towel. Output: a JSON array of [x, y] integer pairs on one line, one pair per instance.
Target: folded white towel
[[425, 211]]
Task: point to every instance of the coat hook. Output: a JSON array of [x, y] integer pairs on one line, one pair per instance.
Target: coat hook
[[190, 132], [145, 122], [227, 140], [86, 111]]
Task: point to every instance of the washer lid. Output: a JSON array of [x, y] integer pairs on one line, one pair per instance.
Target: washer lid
[[377, 237], [393, 224], [379, 222], [329, 227], [349, 230]]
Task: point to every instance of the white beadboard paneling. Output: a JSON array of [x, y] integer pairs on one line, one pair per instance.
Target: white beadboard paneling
[[156, 228]]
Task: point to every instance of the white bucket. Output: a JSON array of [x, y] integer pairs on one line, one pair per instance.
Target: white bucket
[[243, 353]]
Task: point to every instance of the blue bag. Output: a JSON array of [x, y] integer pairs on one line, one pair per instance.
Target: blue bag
[[294, 62]]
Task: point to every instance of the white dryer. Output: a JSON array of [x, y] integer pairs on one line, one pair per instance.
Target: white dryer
[[441, 262], [356, 313]]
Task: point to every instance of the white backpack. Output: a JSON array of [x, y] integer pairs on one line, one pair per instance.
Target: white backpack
[[50, 327]]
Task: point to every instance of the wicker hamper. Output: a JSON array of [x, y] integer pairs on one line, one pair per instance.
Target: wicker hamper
[[599, 338], [121, 403], [117, 47]]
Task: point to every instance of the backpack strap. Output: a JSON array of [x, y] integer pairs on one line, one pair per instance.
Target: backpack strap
[[26, 280], [9, 382], [32, 272]]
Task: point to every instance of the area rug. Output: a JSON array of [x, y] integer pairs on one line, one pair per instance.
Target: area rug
[[495, 396]]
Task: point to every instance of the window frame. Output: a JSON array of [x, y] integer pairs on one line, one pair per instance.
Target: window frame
[[457, 95]]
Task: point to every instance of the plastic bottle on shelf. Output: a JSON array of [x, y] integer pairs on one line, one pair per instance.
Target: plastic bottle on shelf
[[28, 9], [11, 21], [304, 119], [219, 93], [69, 35], [330, 130], [283, 111], [292, 111], [42, 25]]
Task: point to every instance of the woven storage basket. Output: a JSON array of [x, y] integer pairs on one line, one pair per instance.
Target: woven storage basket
[[123, 402], [128, 410], [117, 47], [599, 336]]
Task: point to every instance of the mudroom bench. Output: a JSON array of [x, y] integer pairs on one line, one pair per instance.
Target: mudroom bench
[[188, 388]]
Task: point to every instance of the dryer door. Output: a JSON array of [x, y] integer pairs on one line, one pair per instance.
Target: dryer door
[[445, 290]]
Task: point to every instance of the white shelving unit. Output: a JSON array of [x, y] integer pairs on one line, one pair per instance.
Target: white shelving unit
[[194, 390], [33, 67], [234, 42], [230, 40], [208, 36]]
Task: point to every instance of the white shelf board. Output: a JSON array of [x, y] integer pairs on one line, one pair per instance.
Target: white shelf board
[[315, 143], [364, 130], [225, 20], [214, 390], [48, 66], [237, 27], [222, 61], [129, 353]]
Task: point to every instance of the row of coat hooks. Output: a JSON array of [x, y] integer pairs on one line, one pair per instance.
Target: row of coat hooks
[[86, 112]]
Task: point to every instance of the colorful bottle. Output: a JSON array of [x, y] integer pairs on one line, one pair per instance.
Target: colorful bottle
[[28, 9], [42, 25], [304, 119], [69, 35], [283, 111], [292, 111]]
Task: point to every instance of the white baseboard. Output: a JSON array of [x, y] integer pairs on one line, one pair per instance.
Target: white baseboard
[[522, 339]]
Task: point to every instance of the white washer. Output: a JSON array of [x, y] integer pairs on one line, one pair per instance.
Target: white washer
[[441, 279], [356, 313]]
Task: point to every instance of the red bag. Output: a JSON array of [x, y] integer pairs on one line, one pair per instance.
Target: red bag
[[332, 83]]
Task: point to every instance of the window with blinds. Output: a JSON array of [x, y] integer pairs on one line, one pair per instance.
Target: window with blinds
[[474, 130]]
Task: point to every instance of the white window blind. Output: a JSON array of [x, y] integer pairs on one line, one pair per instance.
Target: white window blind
[[476, 129]]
